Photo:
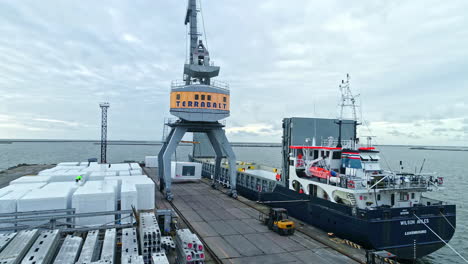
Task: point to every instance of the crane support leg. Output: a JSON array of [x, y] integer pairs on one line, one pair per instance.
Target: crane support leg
[[226, 147], [161, 161], [219, 156], [177, 133]]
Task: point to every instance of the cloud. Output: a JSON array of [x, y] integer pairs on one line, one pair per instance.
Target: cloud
[[397, 133], [130, 38], [67, 58], [253, 130], [61, 122]]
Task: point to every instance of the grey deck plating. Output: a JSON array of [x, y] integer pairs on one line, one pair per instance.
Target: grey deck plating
[[233, 232]]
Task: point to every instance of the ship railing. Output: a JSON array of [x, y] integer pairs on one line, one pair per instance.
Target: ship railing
[[176, 84], [332, 142], [382, 182]]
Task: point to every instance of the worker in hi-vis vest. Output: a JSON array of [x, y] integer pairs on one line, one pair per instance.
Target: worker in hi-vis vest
[[78, 178]]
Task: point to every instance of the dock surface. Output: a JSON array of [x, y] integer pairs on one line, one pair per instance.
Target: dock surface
[[232, 230]]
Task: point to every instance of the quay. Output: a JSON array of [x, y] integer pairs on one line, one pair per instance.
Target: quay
[[232, 232]]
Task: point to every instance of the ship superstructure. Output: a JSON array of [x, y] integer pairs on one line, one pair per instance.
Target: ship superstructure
[[347, 172]]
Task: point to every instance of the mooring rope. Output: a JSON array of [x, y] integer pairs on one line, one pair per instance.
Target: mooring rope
[[448, 221], [456, 252]]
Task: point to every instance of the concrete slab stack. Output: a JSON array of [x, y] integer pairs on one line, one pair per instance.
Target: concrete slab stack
[[150, 235], [43, 250], [14, 252], [108, 247], [190, 249], [167, 243], [133, 260], [89, 247], [129, 245], [94, 196], [69, 250], [5, 239], [160, 258]]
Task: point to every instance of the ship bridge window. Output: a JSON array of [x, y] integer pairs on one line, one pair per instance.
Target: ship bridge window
[[374, 157], [197, 97], [203, 97], [178, 96], [224, 99], [365, 157], [209, 97], [336, 155]]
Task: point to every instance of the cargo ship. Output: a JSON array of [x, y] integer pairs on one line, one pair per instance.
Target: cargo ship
[[340, 187]]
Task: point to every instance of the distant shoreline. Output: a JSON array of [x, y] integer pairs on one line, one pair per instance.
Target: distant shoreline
[[234, 144], [439, 148]]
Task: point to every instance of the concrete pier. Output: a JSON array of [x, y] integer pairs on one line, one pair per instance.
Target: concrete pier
[[233, 233]]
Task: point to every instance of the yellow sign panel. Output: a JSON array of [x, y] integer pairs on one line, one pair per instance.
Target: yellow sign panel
[[200, 100]]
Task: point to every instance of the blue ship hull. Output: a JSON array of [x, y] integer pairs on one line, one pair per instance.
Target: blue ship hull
[[396, 230]]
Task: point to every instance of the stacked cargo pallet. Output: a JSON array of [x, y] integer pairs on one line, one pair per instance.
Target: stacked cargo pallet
[[68, 253], [150, 236], [190, 249]]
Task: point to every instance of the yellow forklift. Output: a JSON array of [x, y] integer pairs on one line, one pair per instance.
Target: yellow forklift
[[277, 220]]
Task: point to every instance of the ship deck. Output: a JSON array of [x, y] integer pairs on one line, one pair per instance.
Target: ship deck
[[233, 234]]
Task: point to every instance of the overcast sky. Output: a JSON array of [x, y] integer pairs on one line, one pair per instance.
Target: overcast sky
[[408, 60]]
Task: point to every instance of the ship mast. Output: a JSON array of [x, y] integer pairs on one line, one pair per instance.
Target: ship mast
[[348, 100]]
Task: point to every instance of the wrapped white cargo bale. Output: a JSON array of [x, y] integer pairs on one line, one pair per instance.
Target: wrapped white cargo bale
[[94, 166], [136, 172], [94, 196], [53, 196], [47, 171], [68, 176], [8, 204], [151, 161], [135, 166], [31, 179], [145, 193], [128, 198], [9, 198], [116, 188], [144, 187], [103, 173], [185, 171], [119, 167], [123, 173], [68, 163]]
